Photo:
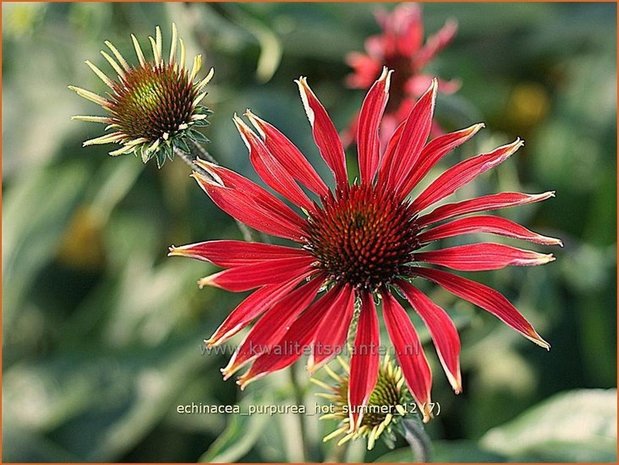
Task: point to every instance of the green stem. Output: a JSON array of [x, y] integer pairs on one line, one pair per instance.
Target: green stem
[[417, 439], [298, 398], [204, 153], [190, 160]]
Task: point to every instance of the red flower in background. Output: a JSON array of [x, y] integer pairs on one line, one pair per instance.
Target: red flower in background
[[400, 47], [358, 244]]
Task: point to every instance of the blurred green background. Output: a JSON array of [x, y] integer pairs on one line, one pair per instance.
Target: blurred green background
[[102, 332]]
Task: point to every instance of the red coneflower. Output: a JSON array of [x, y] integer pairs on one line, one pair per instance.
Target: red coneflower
[[359, 245], [400, 46]]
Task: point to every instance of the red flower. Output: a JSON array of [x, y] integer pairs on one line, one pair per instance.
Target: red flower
[[400, 47], [359, 244]]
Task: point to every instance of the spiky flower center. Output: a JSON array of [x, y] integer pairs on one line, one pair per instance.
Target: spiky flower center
[[152, 101], [362, 236]]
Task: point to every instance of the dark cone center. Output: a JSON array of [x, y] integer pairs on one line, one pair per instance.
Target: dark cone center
[[362, 236], [152, 101]]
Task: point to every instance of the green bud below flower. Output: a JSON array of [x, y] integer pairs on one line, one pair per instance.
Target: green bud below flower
[[389, 403]]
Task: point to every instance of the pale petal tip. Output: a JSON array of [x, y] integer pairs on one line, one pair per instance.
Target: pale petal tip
[[537, 339], [206, 281], [426, 412], [226, 372], [174, 251], [547, 258], [386, 76], [256, 122], [304, 91]]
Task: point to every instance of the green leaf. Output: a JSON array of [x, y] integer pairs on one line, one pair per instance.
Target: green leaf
[[36, 213], [573, 426], [445, 451], [242, 432]]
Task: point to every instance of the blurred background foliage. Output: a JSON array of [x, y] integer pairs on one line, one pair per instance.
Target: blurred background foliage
[[102, 332]]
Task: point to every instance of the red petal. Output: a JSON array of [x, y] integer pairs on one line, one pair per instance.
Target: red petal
[[252, 205], [229, 253], [294, 343], [364, 361], [443, 332], [270, 170], [433, 152], [486, 298], [486, 202], [365, 70], [435, 43], [289, 156], [462, 173], [253, 306], [417, 85], [409, 353], [272, 326], [406, 23], [332, 332], [325, 135], [246, 277], [397, 164], [371, 113], [485, 224], [483, 257]]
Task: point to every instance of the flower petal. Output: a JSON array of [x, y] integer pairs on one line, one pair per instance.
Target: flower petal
[[485, 224], [333, 329], [246, 277], [435, 43], [443, 332], [257, 303], [406, 25], [250, 204], [272, 326], [294, 343], [409, 353], [289, 156], [462, 173], [398, 163], [435, 150], [325, 135], [370, 115], [230, 253], [483, 257], [486, 202], [270, 170], [365, 70], [484, 297], [364, 361]]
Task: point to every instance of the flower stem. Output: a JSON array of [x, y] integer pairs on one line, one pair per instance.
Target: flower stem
[[417, 439], [190, 160], [298, 398], [203, 152]]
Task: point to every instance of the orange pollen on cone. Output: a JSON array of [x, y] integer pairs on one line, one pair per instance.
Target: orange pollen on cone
[[363, 236]]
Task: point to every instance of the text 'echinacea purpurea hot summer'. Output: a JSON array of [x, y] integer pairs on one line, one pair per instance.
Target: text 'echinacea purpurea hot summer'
[[360, 243]]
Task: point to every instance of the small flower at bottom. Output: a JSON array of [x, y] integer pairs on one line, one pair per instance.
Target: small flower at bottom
[[388, 403], [153, 107]]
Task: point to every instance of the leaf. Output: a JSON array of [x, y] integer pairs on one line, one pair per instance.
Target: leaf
[[574, 426], [445, 451], [37, 211], [95, 407], [242, 432]]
